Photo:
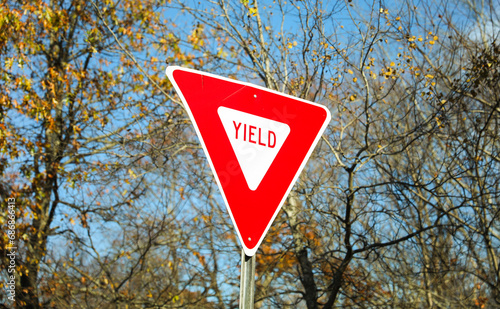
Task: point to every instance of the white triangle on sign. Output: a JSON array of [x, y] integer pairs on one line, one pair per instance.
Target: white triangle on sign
[[255, 140]]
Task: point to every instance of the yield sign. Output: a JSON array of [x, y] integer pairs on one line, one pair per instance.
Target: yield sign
[[257, 142]]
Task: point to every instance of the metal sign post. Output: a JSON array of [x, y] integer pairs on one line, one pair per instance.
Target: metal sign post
[[247, 282], [257, 142]]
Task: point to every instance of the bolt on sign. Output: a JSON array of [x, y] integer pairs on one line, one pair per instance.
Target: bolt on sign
[[257, 142]]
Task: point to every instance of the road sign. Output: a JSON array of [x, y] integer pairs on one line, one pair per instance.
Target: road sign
[[257, 142]]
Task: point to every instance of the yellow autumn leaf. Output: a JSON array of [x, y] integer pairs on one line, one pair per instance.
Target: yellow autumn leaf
[[252, 11], [132, 174]]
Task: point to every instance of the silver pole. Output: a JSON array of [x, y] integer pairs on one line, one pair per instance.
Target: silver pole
[[247, 282]]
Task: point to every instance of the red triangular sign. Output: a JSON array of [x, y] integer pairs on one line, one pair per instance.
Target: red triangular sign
[[257, 142]]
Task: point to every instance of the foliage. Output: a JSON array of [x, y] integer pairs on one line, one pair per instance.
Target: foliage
[[397, 207]]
